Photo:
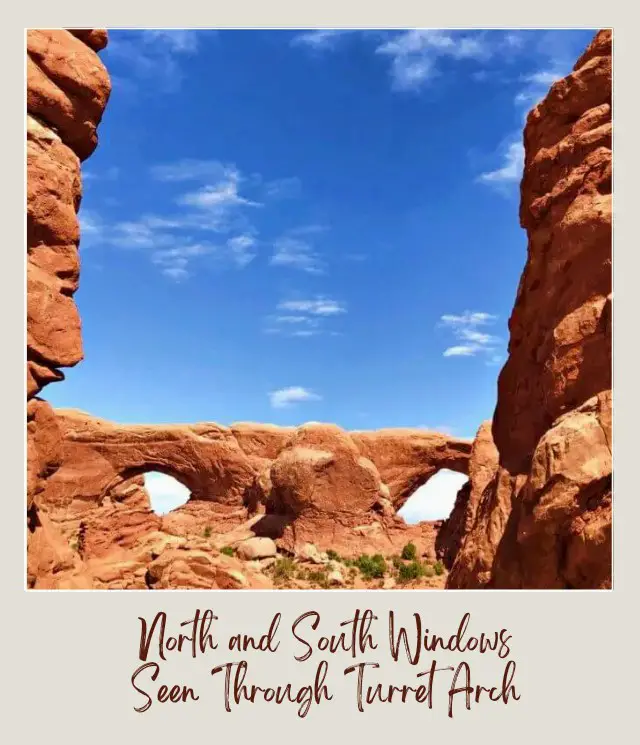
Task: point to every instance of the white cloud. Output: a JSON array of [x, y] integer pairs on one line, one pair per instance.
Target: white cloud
[[305, 317], [536, 87], [284, 397], [320, 306], [110, 174], [297, 254], [152, 55], [464, 350], [174, 241], [283, 188], [174, 261], [465, 329], [221, 195], [240, 247], [415, 53], [511, 169], [91, 226], [191, 169], [291, 319], [177, 40], [318, 39], [467, 318]]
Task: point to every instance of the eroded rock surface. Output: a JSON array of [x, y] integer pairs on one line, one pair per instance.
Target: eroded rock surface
[[67, 90], [545, 519]]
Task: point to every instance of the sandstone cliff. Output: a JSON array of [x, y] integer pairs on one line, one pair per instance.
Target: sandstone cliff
[[544, 520], [67, 90]]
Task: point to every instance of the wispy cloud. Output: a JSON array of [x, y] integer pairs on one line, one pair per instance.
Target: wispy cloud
[[191, 169], [110, 174], [415, 54], [304, 318], [221, 195], [466, 329], [550, 55], [319, 39], [91, 227], [173, 262], [152, 55], [535, 87], [298, 253], [320, 306], [215, 204], [285, 397], [283, 188], [510, 171]]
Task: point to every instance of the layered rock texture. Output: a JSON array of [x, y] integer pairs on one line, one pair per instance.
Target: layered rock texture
[[544, 518], [311, 484], [67, 90]]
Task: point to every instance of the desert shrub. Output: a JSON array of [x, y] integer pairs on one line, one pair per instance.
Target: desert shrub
[[372, 567], [409, 552], [438, 568], [283, 569], [333, 555], [428, 570], [396, 561], [207, 532], [319, 577], [408, 572], [228, 551]]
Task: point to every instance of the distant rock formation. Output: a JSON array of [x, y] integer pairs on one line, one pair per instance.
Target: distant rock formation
[[544, 519], [315, 483]]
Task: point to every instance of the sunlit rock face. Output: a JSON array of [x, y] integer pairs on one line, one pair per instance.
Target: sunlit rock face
[[544, 520], [67, 90]]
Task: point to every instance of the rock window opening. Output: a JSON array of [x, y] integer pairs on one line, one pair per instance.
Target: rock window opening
[[165, 492], [433, 500]]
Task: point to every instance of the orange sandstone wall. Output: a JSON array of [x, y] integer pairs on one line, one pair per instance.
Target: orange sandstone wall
[[545, 518], [67, 90]]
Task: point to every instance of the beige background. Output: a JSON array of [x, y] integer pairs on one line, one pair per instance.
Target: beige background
[[68, 657]]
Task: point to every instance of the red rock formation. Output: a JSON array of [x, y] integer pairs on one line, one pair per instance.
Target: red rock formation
[[545, 521], [314, 479], [482, 468], [67, 90]]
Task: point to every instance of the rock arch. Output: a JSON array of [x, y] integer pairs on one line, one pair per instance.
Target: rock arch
[[220, 465]]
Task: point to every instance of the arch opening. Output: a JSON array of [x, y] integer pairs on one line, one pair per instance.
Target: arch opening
[[433, 500], [165, 492]]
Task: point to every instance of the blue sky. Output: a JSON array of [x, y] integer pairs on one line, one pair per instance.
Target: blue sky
[[306, 226]]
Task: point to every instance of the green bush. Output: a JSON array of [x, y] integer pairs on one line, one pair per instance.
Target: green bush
[[438, 568], [207, 532], [408, 572], [321, 578], [283, 569], [396, 561], [372, 567], [333, 555], [428, 570], [228, 551], [409, 552]]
